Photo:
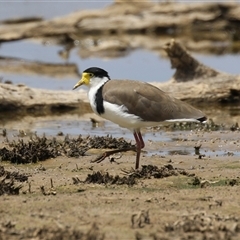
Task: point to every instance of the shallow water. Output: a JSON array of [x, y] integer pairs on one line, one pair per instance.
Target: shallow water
[[189, 150], [139, 64], [132, 66], [160, 142]]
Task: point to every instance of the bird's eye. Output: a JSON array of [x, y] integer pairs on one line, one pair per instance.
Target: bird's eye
[[90, 75]]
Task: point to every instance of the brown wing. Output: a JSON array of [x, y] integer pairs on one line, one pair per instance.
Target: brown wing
[[148, 102]]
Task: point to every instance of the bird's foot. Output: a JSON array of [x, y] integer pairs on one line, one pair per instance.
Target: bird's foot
[[100, 158]]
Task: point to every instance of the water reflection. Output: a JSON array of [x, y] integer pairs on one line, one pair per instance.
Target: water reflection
[[141, 64], [142, 60]]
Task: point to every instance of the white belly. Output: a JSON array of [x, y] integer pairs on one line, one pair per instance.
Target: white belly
[[116, 114]]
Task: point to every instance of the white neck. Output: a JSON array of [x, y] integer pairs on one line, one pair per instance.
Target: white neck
[[97, 82], [94, 85]]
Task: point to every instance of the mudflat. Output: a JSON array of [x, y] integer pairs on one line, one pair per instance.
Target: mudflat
[[181, 191]]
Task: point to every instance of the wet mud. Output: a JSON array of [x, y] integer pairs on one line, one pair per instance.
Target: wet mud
[[171, 196]]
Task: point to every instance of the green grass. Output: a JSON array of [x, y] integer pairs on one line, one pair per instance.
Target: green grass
[[235, 165]]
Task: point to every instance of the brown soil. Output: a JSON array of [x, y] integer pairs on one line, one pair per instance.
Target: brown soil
[[175, 194]]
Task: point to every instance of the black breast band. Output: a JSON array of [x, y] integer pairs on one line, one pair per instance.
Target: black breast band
[[99, 101]]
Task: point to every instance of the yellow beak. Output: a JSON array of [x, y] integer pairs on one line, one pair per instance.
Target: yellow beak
[[83, 81], [79, 83]]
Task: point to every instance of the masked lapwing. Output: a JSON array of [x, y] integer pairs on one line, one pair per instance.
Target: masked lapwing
[[133, 105]]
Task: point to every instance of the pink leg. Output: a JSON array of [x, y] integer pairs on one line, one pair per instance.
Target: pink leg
[[141, 140], [139, 145]]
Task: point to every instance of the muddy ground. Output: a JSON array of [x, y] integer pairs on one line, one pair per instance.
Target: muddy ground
[[188, 185], [178, 193]]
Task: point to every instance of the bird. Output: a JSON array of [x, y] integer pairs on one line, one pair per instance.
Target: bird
[[133, 105]]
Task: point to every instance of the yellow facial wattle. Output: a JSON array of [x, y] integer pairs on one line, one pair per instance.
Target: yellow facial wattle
[[85, 80]]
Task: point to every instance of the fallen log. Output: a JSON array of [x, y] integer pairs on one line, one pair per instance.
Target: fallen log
[[192, 82], [191, 22], [23, 100], [196, 83], [19, 66]]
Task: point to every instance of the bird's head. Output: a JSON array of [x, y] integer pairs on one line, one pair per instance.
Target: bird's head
[[92, 76]]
